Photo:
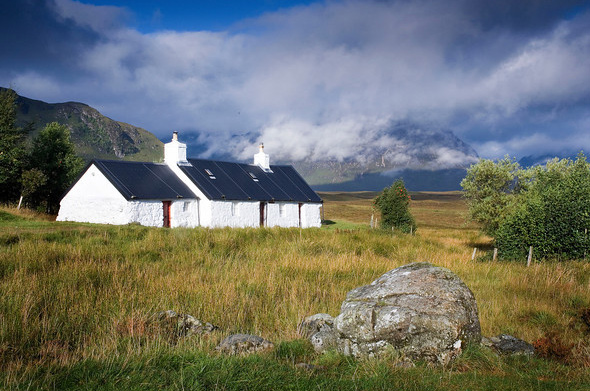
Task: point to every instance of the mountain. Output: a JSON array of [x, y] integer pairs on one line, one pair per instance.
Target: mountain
[[93, 134], [427, 158], [541, 160]]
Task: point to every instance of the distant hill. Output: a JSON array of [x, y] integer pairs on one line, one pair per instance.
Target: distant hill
[[93, 134], [540, 160], [426, 157]]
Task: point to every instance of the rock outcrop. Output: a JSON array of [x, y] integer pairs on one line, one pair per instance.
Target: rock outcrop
[[421, 311]]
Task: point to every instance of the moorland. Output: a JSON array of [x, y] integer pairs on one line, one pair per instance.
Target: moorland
[[78, 301]]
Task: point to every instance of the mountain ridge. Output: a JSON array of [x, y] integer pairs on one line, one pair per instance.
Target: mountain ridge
[[94, 135]]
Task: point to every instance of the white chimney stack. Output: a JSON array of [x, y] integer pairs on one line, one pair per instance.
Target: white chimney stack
[[262, 159], [175, 151]]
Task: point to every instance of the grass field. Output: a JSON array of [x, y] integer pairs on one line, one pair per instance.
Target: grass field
[[78, 302]]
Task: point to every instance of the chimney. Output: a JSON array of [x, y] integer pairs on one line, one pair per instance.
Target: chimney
[[175, 151], [262, 159]]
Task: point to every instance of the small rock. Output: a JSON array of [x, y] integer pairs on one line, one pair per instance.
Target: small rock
[[324, 340], [184, 325], [243, 344], [314, 324], [166, 315], [507, 344]]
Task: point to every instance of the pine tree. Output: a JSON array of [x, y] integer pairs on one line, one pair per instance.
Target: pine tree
[[13, 154], [394, 205]]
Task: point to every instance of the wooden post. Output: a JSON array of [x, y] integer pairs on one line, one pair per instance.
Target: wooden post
[[528, 261], [495, 254], [19, 202], [372, 220], [474, 252], [411, 230]]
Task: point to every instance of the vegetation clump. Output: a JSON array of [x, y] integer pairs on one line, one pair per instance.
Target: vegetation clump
[[40, 174], [546, 207], [394, 205]]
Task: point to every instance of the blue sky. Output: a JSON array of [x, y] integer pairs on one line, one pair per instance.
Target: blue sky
[[508, 77], [185, 15]]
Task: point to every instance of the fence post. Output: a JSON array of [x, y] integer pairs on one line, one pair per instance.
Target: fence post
[[495, 254], [528, 261], [474, 252], [371, 224]]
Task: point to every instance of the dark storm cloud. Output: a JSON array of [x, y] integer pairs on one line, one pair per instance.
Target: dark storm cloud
[[51, 35], [34, 35]]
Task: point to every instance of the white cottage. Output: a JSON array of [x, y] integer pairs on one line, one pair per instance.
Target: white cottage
[[185, 192]]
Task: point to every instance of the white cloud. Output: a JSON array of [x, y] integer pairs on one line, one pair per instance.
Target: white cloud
[[319, 79]]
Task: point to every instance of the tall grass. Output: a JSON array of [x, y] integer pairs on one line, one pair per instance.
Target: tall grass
[[74, 294]]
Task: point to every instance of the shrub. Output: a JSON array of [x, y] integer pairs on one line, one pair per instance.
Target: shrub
[[488, 188], [394, 205], [551, 346], [544, 207], [553, 215]]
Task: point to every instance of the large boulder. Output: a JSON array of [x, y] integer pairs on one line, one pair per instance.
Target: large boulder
[[420, 311]]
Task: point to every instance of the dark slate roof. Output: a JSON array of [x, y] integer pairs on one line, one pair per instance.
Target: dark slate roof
[[239, 181], [147, 181]]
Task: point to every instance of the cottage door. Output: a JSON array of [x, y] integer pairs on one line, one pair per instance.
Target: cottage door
[[262, 207], [300, 205], [166, 206]]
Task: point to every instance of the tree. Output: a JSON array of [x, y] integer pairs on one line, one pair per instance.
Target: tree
[[31, 181], [553, 215], [489, 188], [13, 155], [53, 154], [394, 205]]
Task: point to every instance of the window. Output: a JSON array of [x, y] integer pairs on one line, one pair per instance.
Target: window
[[210, 173], [282, 210], [253, 176], [235, 210], [185, 206]]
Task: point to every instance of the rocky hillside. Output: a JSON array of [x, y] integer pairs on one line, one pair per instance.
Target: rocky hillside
[[94, 135], [427, 158]]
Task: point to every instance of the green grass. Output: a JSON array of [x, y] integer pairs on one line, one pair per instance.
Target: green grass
[[78, 303]]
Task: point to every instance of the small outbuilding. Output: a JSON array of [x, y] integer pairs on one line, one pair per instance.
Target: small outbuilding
[[185, 192]]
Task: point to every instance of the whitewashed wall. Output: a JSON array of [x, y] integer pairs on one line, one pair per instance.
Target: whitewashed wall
[[282, 214], [94, 200], [148, 213], [184, 213], [236, 214], [311, 215]]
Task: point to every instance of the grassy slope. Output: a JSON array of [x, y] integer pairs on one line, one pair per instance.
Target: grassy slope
[[78, 301]]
